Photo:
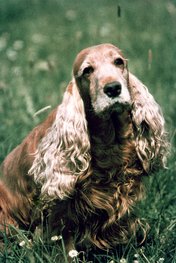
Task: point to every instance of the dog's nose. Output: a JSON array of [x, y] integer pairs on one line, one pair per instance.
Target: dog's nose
[[113, 89]]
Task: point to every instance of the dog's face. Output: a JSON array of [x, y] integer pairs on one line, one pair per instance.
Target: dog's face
[[101, 74]]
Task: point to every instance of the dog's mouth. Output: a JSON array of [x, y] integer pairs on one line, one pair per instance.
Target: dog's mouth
[[120, 107], [116, 109]]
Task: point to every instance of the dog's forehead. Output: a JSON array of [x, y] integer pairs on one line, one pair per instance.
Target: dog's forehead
[[101, 54], [96, 53]]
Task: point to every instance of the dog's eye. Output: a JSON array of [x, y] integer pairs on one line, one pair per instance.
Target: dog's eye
[[88, 70], [119, 62]]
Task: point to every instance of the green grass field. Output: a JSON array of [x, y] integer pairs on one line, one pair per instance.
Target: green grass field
[[39, 40]]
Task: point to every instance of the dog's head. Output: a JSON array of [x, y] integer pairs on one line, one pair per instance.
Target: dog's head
[[102, 77]]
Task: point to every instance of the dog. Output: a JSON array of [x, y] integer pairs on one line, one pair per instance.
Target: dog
[[82, 169]]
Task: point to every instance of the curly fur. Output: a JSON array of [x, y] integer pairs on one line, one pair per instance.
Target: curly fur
[[151, 143], [58, 160], [87, 160]]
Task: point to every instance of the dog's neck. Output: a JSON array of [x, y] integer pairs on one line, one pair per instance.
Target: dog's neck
[[110, 129], [109, 136]]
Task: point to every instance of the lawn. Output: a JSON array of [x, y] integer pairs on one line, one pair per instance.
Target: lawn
[[39, 40]]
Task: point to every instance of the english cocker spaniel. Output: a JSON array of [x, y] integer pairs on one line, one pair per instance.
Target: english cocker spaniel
[[82, 168]]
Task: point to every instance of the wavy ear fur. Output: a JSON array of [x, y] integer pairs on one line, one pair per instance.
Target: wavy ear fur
[[151, 144], [63, 153]]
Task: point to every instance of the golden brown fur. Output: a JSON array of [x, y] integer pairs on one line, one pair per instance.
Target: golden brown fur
[[83, 167]]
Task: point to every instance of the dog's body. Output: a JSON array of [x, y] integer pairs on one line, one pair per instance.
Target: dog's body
[[83, 167]]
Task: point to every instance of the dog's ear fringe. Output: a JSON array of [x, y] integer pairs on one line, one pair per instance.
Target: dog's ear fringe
[[64, 152], [151, 138]]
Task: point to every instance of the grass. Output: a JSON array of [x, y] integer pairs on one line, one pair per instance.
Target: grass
[[38, 43]]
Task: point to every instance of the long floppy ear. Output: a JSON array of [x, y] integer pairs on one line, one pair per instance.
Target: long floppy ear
[[63, 154], [151, 144]]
